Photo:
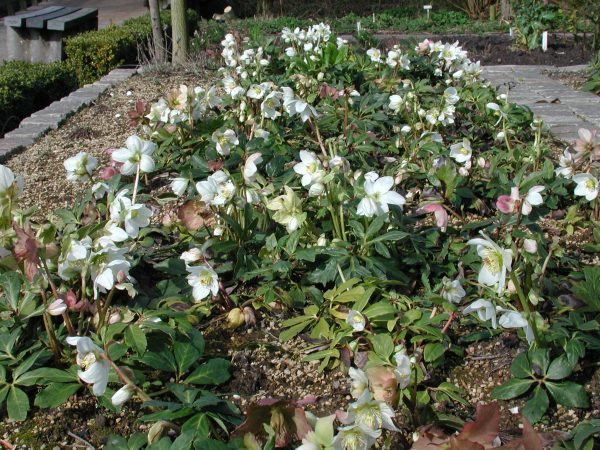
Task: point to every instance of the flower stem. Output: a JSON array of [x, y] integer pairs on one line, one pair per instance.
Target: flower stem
[[126, 380], [105, 306], [525, 305], [135, 184], [54, 345]]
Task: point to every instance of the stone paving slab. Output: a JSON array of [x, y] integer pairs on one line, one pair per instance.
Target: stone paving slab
[[39, 123], [563, 109]]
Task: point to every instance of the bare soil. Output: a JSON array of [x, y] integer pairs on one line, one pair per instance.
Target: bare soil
[[498, 48]]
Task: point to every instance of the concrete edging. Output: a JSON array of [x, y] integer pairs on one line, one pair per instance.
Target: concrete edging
[[32, 128]]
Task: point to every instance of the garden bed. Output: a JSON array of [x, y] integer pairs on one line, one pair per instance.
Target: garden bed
[[285, 308], [497, 48]]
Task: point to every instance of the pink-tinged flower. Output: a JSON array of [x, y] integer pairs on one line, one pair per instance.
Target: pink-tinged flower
[[57, 307], [441, 216], [508, 203], [586, 144], [108, 172]]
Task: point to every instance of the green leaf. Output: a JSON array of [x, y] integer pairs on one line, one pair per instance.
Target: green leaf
[[520, 367], [215, 371], [209, 444], [539, 358], [382, 309], [11, 285], [55, 394], [48, 374], [25, 366], [185, 355], [294, 330], [583, 431], [136, 339], [183, 441], [560, 368], [17, 404], [198, 424], [511, 389], [568, 393], [383, 345], [433, 351], [536, 406]]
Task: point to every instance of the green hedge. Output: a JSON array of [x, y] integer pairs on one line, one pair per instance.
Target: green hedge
[[26, 88], [95, 53]]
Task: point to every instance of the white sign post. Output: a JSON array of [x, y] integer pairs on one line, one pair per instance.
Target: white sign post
[[358, 27], [427, 8], [544, 41]]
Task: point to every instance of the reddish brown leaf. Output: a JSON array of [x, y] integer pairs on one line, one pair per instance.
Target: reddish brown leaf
[[531, 439], [284, 416], [213, 166], [384, 384], [193, 215], [460, 444], [486, 426], [26, 250], [431, 437]]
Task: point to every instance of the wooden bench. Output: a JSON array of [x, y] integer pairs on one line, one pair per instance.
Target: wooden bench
[[37, 36]]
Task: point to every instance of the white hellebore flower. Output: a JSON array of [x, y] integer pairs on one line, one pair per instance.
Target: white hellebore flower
[[356, 320], [322, 437], [484, 309], [113, 266], [179, 185], [204, 281], [354, 437], [80, 166], [587, 186], [191, 256], [7, 180], [137, 153], [378, 195], [312, 173], [217, 189], [371, 414], [533, 198], [360, 382], [403, 369], [122, 395], [514, 319], [461, 152], [374, 54], [250, 169], [496, 262], [452, 291], [138, 216], [90, 358], [224, 141]]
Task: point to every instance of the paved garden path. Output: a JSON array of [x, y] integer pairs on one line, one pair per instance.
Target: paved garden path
[[562, 108]]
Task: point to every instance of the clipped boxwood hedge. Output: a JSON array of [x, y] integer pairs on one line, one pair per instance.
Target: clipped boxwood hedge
[[95, 53], [26, 88]]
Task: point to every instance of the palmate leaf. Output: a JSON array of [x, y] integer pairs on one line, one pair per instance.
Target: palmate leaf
[[589, 290]]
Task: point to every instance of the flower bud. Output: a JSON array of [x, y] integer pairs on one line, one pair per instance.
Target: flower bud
[[481, 162], [322, 241], [530, 246], [115, 317], [249, 316], [235, 318], [57, 307], [156, 431], [192, 255], [122, 395]]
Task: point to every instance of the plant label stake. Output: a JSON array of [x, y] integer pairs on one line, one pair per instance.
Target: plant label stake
[[358, 27], [510, 32], [544, 41], [373, 17], [427, 8]]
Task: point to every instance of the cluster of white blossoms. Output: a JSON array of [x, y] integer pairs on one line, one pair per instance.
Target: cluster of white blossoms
[[450, 61], [244, 63], [201, 277], [580, 164], [309, 42], [395, 58], [368, 415], [183, 104], [103, 256], [440, 114]]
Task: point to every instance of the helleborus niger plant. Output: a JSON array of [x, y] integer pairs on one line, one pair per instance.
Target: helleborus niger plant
[[390, 202]]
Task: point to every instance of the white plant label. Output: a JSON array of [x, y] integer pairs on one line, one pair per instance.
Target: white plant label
[[544, 41]]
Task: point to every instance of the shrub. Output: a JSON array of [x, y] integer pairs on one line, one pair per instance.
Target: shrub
[[95, 53], [26, 88]]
